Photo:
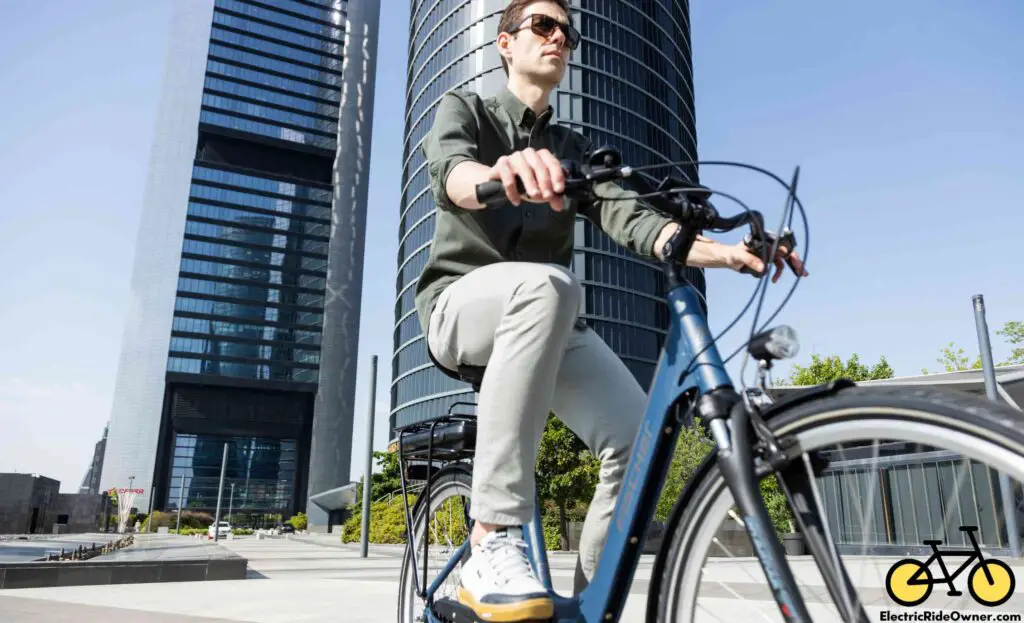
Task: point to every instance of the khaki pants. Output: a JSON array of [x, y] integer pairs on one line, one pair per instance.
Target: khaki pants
[[519, 319]]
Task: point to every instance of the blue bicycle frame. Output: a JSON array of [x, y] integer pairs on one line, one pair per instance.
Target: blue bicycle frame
[[690, 367]]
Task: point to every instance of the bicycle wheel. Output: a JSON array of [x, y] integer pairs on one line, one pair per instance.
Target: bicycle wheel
[[448, 518], [899, 582], [918, 438], [996, 592]]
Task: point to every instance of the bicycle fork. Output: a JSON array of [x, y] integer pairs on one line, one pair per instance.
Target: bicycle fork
[[730, 429], [796, 479]]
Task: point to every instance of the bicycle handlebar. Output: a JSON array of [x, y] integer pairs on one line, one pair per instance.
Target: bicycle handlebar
[[683, 201]]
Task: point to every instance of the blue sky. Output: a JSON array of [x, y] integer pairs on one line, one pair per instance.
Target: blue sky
[[904, 116]]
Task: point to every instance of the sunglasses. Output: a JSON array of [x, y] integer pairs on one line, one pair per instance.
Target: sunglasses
[[545, 25]]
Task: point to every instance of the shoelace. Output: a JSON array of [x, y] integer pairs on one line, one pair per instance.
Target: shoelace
[[508, 558]]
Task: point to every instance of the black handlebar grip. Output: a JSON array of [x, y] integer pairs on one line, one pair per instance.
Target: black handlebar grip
[[491, 193], [756, 247]]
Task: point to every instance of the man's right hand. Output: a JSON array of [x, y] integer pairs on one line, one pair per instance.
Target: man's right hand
[[540, 172]]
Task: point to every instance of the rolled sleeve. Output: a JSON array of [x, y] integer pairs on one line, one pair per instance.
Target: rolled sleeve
[[451, 140], [625, 219], [618, 212]]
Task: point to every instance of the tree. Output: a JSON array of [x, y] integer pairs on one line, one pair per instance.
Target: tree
[[1013, 331], [567, 473], [954, 359], [388, 480], [692, 448], [823, 370]]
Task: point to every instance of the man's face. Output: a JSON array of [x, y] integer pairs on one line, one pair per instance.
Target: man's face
[[543, 59]]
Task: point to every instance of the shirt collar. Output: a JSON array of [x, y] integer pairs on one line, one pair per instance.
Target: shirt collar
[[521, 114]]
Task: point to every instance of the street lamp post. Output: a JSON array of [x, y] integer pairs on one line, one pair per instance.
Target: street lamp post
[[181, 500], [120, 500], [991, 390], [220, 492]]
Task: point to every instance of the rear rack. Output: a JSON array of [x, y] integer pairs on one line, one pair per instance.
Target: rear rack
[[449, 438]]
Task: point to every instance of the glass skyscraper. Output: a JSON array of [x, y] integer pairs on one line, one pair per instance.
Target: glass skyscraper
[[91, 482], [249, 259], [628, 85]]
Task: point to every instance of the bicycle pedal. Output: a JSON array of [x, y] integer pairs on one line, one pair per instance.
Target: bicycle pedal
[[451, 611]]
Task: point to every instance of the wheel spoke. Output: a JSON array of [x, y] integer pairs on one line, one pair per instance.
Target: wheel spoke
[[886, 429], [441, 524]]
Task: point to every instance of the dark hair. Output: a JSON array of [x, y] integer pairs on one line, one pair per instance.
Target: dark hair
[[513, 15]]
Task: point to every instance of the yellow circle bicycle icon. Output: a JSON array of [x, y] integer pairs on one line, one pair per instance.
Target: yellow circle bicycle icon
[[990, 582]]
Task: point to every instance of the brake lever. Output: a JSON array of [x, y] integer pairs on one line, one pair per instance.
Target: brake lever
[[758, 245]]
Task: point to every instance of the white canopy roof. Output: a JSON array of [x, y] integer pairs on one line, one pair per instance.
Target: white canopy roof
[[1009, 383]]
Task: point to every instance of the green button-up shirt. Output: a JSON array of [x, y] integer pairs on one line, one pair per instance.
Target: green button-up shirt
[[468, 127]]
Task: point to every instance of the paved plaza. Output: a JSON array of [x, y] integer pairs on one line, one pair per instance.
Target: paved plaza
[[317, 579]]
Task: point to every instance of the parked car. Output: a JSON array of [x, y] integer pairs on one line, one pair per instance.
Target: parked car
[[287, 529], [223, 530]]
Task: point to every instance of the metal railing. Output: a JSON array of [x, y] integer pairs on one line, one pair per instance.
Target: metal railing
[[897, 502]]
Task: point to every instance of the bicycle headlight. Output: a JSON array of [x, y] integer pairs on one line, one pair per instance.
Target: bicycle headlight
[[780, 342]]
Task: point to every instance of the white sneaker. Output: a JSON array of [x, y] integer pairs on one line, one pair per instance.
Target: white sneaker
[[498, 583]]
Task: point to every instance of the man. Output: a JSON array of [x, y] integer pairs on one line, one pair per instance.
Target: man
[[497, 292]]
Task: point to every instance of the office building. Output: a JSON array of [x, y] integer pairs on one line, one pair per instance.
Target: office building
[[247, 280], [629, 85], [91, 482], [28, 503]]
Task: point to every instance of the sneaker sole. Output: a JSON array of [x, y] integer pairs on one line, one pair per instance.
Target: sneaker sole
[[527, 610]]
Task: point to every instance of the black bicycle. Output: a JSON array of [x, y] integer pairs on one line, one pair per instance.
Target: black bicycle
[[991, 582], [752, 438]]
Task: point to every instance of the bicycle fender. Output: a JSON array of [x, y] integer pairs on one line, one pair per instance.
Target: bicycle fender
[[798, 397], [804, 395]]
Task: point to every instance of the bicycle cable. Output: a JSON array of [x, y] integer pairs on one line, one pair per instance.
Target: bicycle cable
[[754, 330], [792, 201], [750, 301]]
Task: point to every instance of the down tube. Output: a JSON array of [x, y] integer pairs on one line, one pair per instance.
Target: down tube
[[652, 452]]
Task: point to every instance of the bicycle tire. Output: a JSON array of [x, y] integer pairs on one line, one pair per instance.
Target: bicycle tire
[[446, 483], [894, 590], [944, 415], [1003, 570]]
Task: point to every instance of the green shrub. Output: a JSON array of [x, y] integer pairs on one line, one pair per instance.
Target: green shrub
[[299, 521], [775, 502], [195, 519], [189, 519], [387, 522], [190, 531], [549, 521], [691, 449]]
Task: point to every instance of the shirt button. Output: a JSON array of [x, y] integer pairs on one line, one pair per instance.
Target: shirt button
[[528, 212]]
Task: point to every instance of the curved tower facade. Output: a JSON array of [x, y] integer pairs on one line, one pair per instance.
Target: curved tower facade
[[629, 85]]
